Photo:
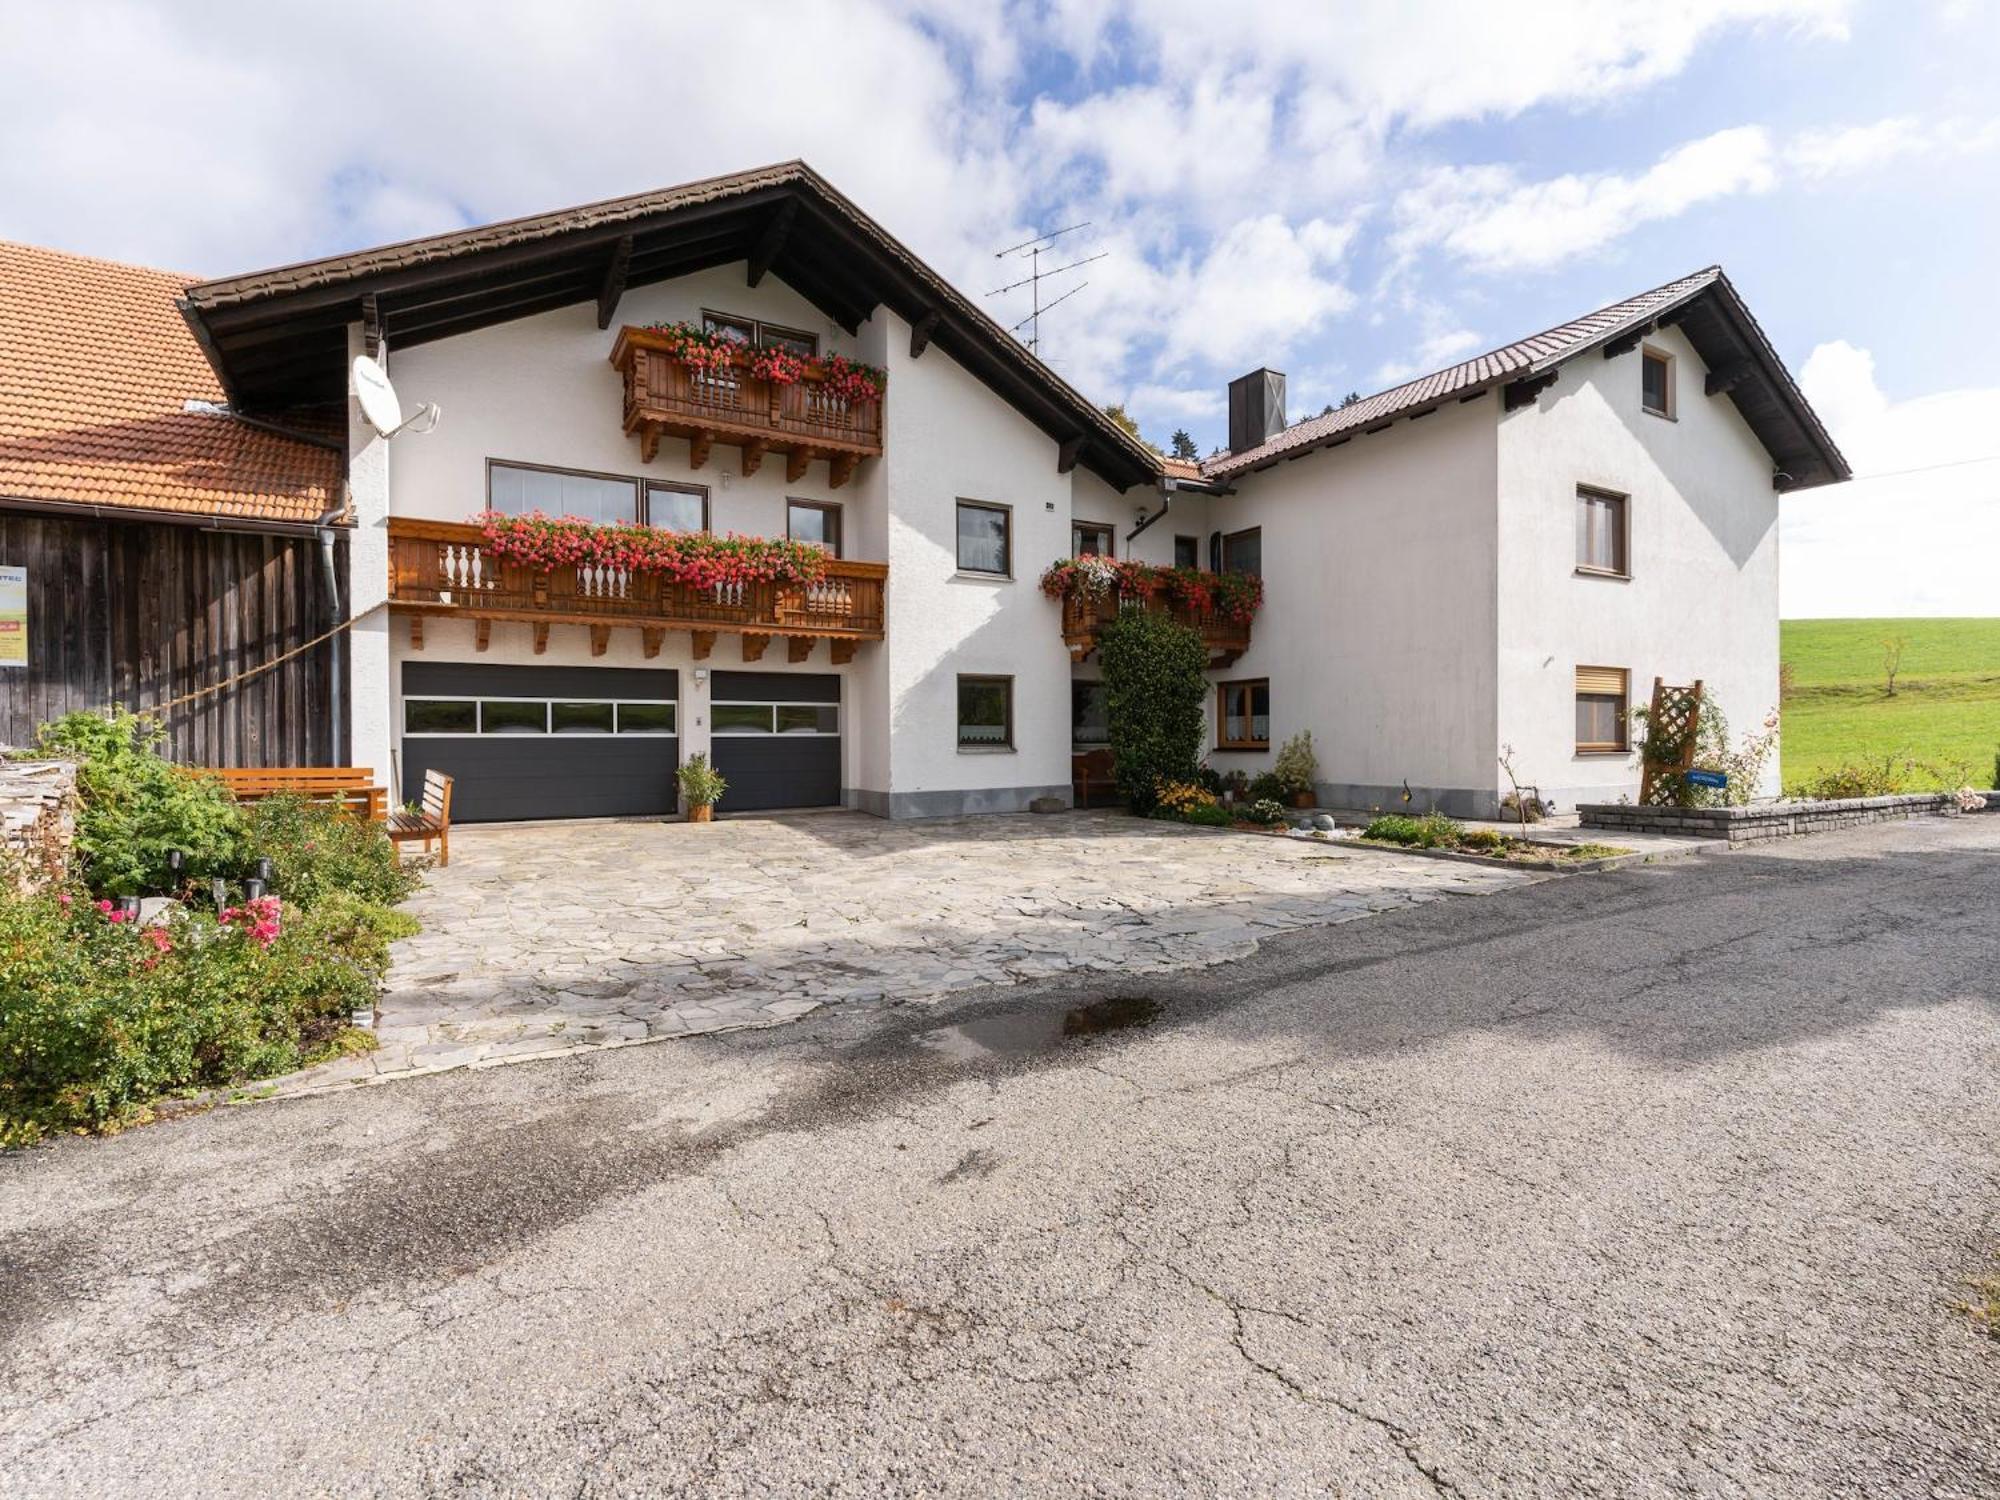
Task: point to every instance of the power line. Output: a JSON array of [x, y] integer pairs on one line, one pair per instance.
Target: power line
[[1957, 463]]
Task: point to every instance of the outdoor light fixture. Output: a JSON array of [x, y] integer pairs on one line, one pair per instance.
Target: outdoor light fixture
[[218, 888], [128, 906], [266, 871], [253, 889], [177, 862]]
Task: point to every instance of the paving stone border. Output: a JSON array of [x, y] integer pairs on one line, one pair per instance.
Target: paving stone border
[[1774, 820]]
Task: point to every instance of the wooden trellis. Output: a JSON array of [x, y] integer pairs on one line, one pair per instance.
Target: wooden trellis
[[1672, 726]]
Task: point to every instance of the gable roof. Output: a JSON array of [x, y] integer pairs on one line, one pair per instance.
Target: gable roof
[[96, 370], [278, 337], [1705, 306]]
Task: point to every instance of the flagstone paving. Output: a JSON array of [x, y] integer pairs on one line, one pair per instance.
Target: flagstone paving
[[549, 938]]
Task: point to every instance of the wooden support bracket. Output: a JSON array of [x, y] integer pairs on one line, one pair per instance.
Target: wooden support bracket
[[698, 447], [600, 639], [1625, 343], [652, 636], [1523, 392], [1068, 452], [482, 632], [753, 647], [798, 648], [772, 241], [842, 651], [841, 469], [649, 442], [921, 331], [541, 636], [613, 285], [753, 456], [416, 632], [1726, 377], [704, 642], [795, 464]]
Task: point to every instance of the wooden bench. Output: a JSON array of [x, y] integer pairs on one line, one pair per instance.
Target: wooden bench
[[352, 787], [431, 821], [1092, 771]]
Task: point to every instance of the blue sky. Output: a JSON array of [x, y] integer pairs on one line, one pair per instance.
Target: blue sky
[[1352, 193]]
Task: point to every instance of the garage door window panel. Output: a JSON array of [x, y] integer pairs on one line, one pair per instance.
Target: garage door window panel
[[743, 718], [583, 718], [511, 716], [440, 716], [645, 718]]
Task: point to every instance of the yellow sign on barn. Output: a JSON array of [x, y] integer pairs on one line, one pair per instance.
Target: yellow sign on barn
[[13, 617]]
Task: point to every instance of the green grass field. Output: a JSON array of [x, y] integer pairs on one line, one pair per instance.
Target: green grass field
[[1946, 712]]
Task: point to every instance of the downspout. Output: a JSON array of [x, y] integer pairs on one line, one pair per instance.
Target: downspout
[[336, 719]]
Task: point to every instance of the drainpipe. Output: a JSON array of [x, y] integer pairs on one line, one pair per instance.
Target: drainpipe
[[336, 719]]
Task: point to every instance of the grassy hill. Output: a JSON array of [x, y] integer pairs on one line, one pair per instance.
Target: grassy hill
[[1946, 711]]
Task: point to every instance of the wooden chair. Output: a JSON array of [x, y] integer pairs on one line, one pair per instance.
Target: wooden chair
[[431, 821], [1092, 771], [353, 787]]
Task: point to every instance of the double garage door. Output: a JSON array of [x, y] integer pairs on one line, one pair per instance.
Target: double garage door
[[603, 742]]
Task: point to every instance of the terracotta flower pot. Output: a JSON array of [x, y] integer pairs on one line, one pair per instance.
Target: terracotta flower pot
[[701, 812], [1302, 799]]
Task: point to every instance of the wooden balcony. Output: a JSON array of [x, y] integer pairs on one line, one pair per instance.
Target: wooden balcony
[[1084, 617], [442, 569], [802, 420]]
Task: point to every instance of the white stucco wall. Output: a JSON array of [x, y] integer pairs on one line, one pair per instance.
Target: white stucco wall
[[1378, 628], [1702, 601]]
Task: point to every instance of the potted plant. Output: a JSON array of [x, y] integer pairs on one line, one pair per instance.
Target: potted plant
[[1235, 786], [1295, 767], [702, 787]]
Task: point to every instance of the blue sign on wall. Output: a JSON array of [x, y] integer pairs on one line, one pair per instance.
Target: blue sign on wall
[[1707, 778]]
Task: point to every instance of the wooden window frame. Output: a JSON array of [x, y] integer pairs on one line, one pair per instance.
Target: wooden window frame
[[1110, 537], [830, 508], [1646, 352], [958, 725], [1623, 745], [638, 486], [1007, 538], [1224, 739], [1623, 550], [758, 326], [699, 491], [1230, 536], [1193, 546]]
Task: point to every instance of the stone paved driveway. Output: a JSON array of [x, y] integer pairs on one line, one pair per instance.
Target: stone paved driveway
[[552, 937]]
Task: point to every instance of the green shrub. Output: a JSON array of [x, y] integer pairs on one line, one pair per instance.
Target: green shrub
[[1296, 766], [701, 784], [1869, 778], [1482, 840], [1431, 831], [1265, 811], [134, 806], [1996, 768], [1154, 689], [99, 1016], [1266, 787], [1209, 816], [318, 850]]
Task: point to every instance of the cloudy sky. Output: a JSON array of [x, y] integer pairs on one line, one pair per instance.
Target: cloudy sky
[[1351, 192]]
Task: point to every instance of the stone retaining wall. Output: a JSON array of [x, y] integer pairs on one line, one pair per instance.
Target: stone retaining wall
[[1775, 820], [37, 820]]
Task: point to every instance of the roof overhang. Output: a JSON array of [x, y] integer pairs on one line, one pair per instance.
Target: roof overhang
[[278, 338]]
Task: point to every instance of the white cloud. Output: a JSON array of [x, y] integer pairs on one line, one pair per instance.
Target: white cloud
[[1835, 151], [1437, 350], [1906, 543]]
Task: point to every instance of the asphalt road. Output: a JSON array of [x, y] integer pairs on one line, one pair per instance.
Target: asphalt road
[[1659, 1182]]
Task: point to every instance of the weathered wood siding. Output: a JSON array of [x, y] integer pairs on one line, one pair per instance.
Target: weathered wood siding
[[138, 614]]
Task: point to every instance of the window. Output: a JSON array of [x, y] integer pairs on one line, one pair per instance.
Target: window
[[756, 335], [1600, 708], [985, 538], [1187, 551], [1656, 382], [677, 507], [517, 489], [744, 718], [1089, 715], [1600, 532], [1089, 539], [1243, 720], [812, 521], [1243, 552], [472, 716], [986, 713]]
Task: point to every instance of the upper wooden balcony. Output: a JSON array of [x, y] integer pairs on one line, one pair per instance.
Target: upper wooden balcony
[[1085, 616], [801, 420], [442, 568]]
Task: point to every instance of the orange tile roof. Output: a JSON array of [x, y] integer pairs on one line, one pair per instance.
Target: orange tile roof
[[96, 370]]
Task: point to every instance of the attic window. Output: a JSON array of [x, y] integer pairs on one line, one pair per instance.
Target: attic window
[[1656, 382], [759, 335]]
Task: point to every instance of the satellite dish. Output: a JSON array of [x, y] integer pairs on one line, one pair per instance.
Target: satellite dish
[[379, 403]]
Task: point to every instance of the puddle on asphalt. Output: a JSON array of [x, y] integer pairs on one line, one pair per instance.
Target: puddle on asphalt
[[1028, 1033]]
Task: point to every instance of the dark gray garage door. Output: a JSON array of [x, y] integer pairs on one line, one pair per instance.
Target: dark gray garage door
[[542, 742], [776, 738]]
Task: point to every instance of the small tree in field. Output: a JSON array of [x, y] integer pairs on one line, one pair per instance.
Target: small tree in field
[[1892, 659], [1154, 687]]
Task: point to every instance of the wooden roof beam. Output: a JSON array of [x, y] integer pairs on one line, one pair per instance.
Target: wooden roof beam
[[921, 331], [1069, 451], [614, 280], [1521, 393], [1727, 376], [772, 240], [1625, 343]]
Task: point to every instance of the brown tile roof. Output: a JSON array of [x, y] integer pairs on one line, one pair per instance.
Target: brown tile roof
[[96, 370], [1534, 355], [1181, 468]]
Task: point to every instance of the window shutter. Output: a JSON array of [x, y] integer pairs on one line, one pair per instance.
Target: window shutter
[[1606, 680]]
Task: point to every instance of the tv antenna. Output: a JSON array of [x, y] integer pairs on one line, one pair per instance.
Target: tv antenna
[[1031, 251]]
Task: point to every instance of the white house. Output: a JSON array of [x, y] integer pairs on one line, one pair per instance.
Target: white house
[[1506, 552]]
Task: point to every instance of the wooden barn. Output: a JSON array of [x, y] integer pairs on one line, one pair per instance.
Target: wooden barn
[[151, 544]]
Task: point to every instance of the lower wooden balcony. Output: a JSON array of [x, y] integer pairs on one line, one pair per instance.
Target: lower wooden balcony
[[441, 569], [1084, 618]]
